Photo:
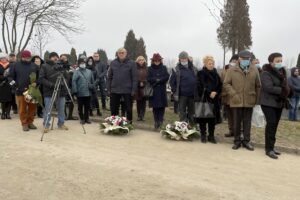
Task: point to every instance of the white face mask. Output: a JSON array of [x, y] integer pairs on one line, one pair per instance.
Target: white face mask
[[82, 66], [232, 64], [90, 63], [184, 63]]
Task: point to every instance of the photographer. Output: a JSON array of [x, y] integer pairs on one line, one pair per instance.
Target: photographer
[[48, 75]]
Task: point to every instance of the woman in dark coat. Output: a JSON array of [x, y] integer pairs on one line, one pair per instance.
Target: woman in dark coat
[[209, 83], [158, 77], [273, 97], [39, 62], [91, 65], [5, 88], [142, 79]]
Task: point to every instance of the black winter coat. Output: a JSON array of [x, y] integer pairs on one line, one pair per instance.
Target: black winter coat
[[207, 82], [158, 77], [5, 88], [20, 72], [48, 76]]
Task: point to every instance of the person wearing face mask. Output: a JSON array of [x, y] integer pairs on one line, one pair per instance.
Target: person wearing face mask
[[274, 94], [209, 86], [91, 65], [225, 96], [20, 72], [183, 85], [122, 83], [39, 62], [158, 77], [242, 84], [83, 86], [48, 75], [294, 83]]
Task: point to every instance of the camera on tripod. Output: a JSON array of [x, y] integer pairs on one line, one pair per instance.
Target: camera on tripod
[[61, 67]]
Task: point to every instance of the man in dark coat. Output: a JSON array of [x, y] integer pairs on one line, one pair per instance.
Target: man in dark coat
[[48, 75], [122, 83], [183, 84], [101, 69], [20, 72]]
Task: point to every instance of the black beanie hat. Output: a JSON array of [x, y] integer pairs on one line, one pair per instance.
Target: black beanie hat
[[53, 54], [234, 57], [80, 60]]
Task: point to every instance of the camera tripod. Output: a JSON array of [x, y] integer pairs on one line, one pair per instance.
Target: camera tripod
[[60, 79]]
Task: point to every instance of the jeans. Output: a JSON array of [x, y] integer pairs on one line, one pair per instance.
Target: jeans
[[60, 106], [293, 110], [273, 116]]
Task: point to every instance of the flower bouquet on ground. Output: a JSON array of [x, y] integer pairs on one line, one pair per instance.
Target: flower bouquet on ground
[[116, 125], [179, 131]]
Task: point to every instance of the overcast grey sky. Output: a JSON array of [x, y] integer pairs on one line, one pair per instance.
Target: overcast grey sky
[[170, 26]]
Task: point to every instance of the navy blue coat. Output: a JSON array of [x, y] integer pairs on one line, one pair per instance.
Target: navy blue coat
[[158, 77]]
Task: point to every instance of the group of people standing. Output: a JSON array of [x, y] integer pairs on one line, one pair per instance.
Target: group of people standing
[[242, 85]]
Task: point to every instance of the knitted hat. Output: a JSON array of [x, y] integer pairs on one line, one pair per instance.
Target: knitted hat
[[25, 54], [80, 60], [3, 55], [183, 55]]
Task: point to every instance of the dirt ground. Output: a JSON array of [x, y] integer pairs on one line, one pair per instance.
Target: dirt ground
[[140, 166]]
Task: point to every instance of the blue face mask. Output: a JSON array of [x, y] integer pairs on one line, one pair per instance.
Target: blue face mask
[[278, 65], [257, 65], [244, 63]]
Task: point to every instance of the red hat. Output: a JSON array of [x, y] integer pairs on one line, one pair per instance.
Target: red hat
[[156, 57], [26, 54]]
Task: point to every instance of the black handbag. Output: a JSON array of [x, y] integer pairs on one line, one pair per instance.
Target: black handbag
[[204, 109], [148, 90]]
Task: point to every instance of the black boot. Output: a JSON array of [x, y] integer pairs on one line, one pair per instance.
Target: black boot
[[7, 116], [156, 125], [203, 138], [98, 112], [3, 116], [211, 138], [91, 113]]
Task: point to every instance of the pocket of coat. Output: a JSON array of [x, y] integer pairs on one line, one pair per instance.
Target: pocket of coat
[[236, 99]]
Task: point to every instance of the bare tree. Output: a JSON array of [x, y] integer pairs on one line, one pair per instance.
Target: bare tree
[[21, 18], [40, 40], [215, 10]]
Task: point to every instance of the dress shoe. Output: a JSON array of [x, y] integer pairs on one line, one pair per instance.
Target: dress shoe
[[203, 138], [236, 146], [272, 155], [3, 116], [248, 146], [8, 116], [25, 128], [277, 152], [229, 135], [212, 139], [32, 126], [88, 121]]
